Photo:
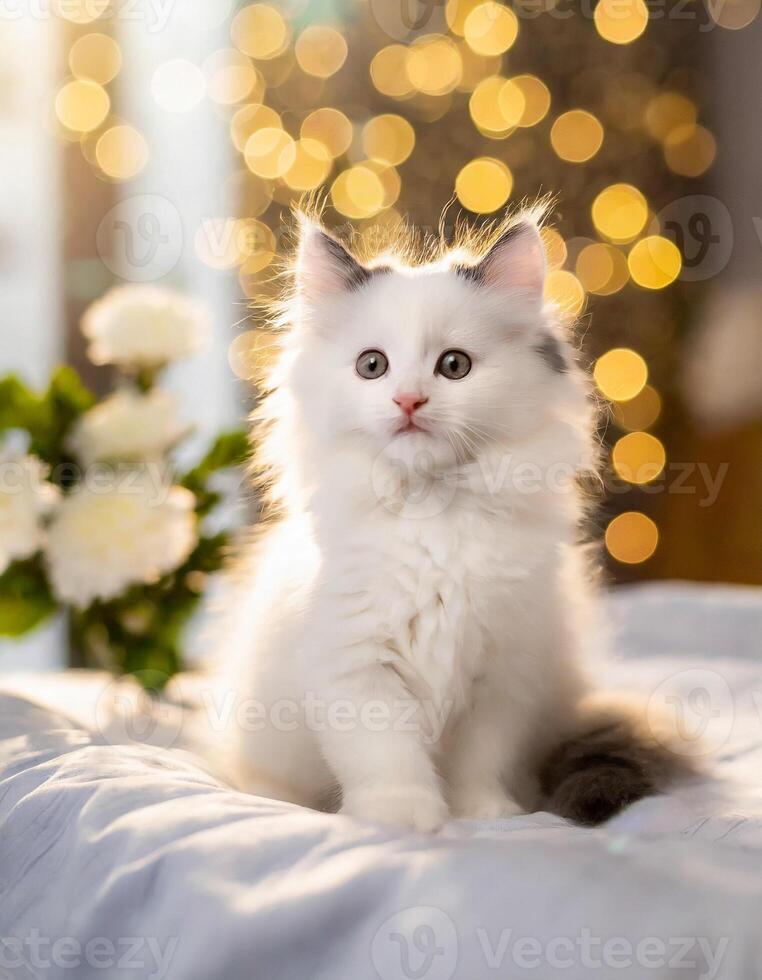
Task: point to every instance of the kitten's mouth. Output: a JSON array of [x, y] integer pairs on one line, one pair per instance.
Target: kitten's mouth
[[408, 426]]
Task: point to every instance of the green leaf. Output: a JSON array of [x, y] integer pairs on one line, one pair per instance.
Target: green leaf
[[229, 449], [68, 394], [25, 598], [20, 408]]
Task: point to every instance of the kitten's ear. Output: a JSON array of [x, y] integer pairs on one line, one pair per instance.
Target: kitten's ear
[[323, 266], [514, 263]]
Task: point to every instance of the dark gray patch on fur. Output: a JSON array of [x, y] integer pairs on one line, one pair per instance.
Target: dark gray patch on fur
[[355, 275], [477, 273], [551, 351], [592, 776]]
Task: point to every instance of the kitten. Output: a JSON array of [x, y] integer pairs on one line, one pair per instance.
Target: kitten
[[410, 628]]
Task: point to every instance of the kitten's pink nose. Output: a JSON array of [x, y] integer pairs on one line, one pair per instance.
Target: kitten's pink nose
[[409, 402]]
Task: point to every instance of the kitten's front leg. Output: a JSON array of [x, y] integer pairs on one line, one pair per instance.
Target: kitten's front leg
[[478, 760], [380, 755]]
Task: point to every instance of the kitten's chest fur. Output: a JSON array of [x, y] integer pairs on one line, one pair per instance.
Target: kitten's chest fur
[[443, 594]]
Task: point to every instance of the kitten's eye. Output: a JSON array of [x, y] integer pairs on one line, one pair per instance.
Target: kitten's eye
[[372, 364], [454, 364]]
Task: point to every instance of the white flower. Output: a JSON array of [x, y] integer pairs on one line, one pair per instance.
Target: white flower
[[139, 326], [127, 426], [25, 498], [104, 540]]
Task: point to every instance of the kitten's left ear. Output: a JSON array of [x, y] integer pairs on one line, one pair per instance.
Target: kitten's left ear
[[323, 266], [514, 263]]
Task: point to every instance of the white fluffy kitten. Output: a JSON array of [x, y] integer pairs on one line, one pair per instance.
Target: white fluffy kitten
[[408, 630]]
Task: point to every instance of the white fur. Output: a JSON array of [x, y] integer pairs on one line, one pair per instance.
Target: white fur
[[427, 575]]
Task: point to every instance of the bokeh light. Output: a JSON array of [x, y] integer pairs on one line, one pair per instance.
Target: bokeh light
[[536, 99], [620, 21], [668, 111], [269, 152], [496, 105], [388, 138], [388, 72], [310, 167], [260, 31], [576, 135], [121, 152], [640, 412], [95, 56], [620, 374], [231, 78], [632, 537], [249, 119], [358, 192], [331, 128], [620, 212], [490, 28], [654, 262], [689, 150], [484, 185], [602, 268], [82, 105], [434, 65], [320, 50], [638, 457]]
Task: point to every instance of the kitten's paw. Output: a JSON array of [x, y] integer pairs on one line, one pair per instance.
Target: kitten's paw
[[412, 808], [488, 805]]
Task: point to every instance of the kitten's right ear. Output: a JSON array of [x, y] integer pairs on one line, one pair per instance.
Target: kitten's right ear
[[323, 266]]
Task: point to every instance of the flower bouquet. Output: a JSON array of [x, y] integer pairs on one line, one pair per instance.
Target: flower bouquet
[[94, 518]]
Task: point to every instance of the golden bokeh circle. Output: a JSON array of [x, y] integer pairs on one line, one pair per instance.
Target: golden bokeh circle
[[638, 458], [620, 21], [330, 127], [82, 105], [320, 50], [95, 56], [632, 538], [654, 262], [121, 152], [490, 28], [620, 212], [576, 135], [484, 185], [620, 374], [388, 138], [260, 31]]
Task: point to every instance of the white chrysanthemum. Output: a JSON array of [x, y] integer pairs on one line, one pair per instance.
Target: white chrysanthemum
[[25, 498], [104, 540], [128, 426], [139, 326]]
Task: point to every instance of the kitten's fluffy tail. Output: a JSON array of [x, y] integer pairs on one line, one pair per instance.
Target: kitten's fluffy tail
[[616, 753]]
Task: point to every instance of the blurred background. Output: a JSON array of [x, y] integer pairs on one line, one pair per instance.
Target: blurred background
[[165, 141]]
